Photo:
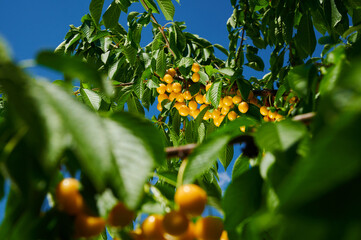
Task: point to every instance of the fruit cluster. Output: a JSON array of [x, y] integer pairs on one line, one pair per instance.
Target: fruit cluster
[[269, 116], [230, 106], [177, 224], [70, 201]]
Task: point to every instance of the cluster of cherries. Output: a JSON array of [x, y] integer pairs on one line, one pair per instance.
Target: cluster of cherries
[[230, 106], [70, 201], [177, 224]]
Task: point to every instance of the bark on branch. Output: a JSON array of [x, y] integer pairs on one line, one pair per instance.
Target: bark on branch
[[185, 150]]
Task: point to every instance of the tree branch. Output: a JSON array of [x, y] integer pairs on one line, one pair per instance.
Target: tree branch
[[240, 47], [160, 28], [185, 150], [181, 151]]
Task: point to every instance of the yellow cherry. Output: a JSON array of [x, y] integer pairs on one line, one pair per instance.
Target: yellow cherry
[[243, 107]]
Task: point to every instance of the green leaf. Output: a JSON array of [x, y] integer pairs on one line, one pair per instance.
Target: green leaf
[[242, 198], [205, 155], [74, 67], [185, 65], [300, 79], [333, 160], [203, 77], [221, 48], [86, 130], [351, 30], [226, 155], [306, 38], [334, 74], [180, 38], [137, 146], [244, 87], [279, 136], [279, 95], [167, 8], [254, 62], [91, 98], [157, 41], [150, 4], [123, 96], [123, 4], [161, 63], [138, 87], [240, 166], [130, 53], [336, 16], [227, 71], [95, 8], [134, 106], [111, 15], [214, 93]]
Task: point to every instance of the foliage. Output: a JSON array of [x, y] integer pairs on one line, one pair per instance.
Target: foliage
[[298, 178]]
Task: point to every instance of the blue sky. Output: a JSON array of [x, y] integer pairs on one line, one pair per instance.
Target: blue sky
[[31, 26]]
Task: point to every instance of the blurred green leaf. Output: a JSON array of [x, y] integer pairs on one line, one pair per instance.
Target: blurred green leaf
[[306, 37], [226, 155], [279, 136], [137, 147], [242, 198], [301, 79], [205, 155], [240, 166], [74, 67]]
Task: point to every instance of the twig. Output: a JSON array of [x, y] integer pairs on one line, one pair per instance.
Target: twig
[[181, 151], [265, 92], [240, 46], [185, 150], [160, 28], [305, 118]]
